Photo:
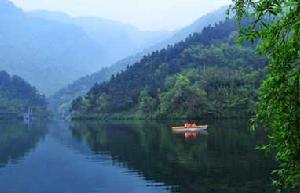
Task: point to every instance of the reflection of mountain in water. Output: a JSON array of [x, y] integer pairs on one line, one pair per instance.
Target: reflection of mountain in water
[[222, 161], [61, 134], [17, 139]]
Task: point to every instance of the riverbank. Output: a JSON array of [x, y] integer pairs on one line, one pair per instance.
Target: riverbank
[[138, 116]]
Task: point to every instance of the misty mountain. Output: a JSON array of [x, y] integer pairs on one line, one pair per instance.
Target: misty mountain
[[62, 99], [51, 54], [120, 40], [43, 51], [197, 26]]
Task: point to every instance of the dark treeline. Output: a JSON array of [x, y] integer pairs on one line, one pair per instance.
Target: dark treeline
[[16, 96], [205, 75]]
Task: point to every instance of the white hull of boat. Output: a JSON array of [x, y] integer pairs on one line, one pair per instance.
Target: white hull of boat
[[191, 129]]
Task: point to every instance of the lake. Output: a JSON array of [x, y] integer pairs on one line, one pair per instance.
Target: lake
[[131, 157]]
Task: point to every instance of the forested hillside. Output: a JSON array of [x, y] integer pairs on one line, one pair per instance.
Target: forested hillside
[[16, 96], [205, 75], [62, 99]]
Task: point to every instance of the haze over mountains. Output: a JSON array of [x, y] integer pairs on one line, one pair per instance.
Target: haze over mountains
[[42, 46], [61, 100], [65, 55], [119, 40]]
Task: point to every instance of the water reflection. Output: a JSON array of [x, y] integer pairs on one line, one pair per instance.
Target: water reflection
[[133, 157], [60, 163], [190, 134], [225, 160], [17, 139]]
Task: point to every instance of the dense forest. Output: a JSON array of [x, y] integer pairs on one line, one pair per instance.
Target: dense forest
[[16, 96], [206, 75], [61, 100]]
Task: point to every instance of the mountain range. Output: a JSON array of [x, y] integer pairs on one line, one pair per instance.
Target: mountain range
[[120, 40], [51, 50]]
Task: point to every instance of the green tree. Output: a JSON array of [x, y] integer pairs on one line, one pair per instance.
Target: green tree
[[147, 104], [102, 103], [276, 24], [183, 98], [80, 105]]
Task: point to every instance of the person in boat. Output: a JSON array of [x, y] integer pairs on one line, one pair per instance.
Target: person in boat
[[190, 124], [186, 124], [194, 124]]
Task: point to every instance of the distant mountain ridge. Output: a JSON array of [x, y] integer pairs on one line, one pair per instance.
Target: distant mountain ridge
[[197, 26], [62, 99], [42, 51], [51, 54], [121, 40]]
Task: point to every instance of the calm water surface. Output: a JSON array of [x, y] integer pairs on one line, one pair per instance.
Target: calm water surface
[[133, 157]]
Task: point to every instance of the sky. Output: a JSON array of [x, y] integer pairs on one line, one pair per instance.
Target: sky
[[150, 15]]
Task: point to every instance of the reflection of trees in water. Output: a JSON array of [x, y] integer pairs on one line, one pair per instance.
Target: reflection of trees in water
[[16, 139], [223, 161]]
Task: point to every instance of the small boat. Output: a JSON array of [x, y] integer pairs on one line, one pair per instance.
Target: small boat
[[190, 129]]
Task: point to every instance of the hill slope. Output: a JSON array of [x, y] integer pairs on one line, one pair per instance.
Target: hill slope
[[16, 96], [205, 75], [61, 100]]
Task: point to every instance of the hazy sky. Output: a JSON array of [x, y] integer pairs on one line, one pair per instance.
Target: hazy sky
[[144, 14]]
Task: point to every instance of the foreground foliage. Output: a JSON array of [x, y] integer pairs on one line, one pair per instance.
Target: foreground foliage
[[277, 25]]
